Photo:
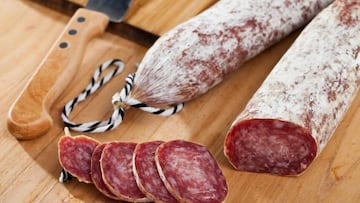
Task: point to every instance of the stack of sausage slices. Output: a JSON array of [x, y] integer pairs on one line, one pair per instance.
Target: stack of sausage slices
[[174, 171]]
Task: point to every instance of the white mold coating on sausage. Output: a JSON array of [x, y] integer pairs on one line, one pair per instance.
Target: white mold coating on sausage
[[196, 55]]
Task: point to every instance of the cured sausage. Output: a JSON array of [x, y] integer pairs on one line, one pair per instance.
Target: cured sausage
[[190, 172], [146, 173], [297, 109], [197, 55], [96, 175], [117, 171], [75, 156]]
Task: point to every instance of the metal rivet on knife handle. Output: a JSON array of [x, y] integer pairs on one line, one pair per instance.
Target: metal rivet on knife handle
[[81, 19], [63, 45], [72, 32]]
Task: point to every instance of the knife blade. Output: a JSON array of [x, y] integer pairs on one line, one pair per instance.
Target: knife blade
[[122, 29], [114, 9], [28, 117]]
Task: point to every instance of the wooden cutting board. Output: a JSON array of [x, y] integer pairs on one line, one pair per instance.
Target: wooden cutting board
[[29, 169]]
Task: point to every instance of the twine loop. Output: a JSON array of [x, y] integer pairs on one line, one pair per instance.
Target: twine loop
[[120, 101]]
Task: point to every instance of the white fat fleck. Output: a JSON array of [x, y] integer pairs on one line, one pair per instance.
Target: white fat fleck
[[279, 124], [284, 150], [115, 181], [82, 156], [156, 181], [121, 168], [303, 166], [171, 180]]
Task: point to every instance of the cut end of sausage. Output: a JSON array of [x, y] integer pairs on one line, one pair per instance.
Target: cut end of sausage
[[270, 146]]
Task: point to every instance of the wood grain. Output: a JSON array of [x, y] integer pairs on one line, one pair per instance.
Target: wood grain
[[29, 169]]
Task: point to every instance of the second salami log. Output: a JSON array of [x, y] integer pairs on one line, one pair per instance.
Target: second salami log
[[297, 109]]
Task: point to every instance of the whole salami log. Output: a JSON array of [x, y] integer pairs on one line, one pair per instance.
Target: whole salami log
[[146, 173], [96, 175], [196, 55], [190, 172], [117, 171], [294, 113], [75, 156]]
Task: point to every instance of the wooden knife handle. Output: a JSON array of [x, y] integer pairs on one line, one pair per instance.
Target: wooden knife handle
[[29, 116]]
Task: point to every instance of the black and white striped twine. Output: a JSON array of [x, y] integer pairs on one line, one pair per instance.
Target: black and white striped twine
[[120, 101]]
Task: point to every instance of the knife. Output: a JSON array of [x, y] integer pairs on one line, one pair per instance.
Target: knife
[[29, 116]]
